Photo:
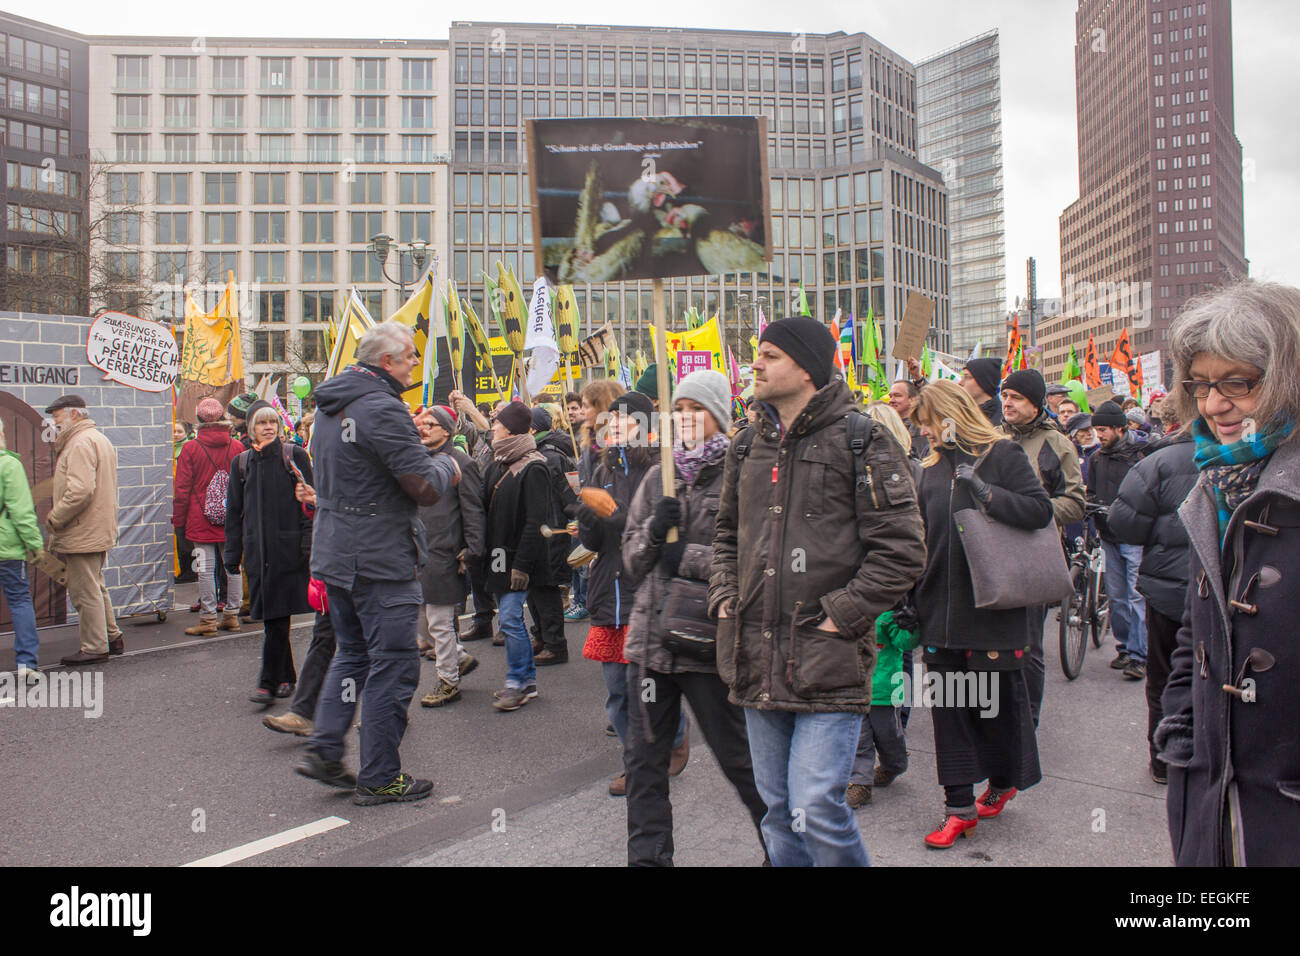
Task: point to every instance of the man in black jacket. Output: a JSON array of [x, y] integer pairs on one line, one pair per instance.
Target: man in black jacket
[[1107, 466], [372, 474], [981, 378], [545, 600], [1145, 513]]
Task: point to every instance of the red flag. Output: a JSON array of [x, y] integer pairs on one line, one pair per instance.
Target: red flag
[[1122, 358], [1013, 349], [1091, 370]]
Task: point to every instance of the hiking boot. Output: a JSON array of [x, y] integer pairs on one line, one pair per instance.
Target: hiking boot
[[207, 627], [529, 692], [858, 795], [576, 613], [511, 698], [546, 657], [1136, 670], [1120, 662], [229, 622], [81, 657], [1159, 772], [402, 789], [478, 632], [618, 786], [330, 772], [468, 664], [289, 723], [677, 762], [993, 802], [883, 778], [444, 693]]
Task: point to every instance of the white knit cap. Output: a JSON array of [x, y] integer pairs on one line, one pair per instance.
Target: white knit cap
[[709, 389]]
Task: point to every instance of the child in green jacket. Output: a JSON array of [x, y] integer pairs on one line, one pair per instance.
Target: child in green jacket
[[882, 732]]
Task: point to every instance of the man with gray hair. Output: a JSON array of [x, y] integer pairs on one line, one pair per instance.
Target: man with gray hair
[[83, 524], [372, 475]]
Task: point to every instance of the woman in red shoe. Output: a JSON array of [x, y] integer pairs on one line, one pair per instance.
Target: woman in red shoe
[[991, 737]]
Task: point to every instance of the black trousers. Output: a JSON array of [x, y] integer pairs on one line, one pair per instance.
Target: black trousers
[[277, 655], [547, 605], [314, 668], [1162, 635], [651, 727], [1035, 669], [484, 605]]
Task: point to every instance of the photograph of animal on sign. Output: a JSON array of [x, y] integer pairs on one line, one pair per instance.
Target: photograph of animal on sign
[[910, 338], [651, 197]]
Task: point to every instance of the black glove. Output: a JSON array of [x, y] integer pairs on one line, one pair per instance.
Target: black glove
[[571, 511], [906, 616], [670, 556], [980, 488], [668, 512], [585, 514]]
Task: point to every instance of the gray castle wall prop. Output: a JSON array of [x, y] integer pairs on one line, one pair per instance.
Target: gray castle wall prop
[[40, 358]]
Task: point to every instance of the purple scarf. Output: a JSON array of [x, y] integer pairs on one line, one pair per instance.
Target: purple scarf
[[690, 461]]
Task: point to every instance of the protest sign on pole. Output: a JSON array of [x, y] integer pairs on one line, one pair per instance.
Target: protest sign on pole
[[689, 361], [915, 326], [133, 351]]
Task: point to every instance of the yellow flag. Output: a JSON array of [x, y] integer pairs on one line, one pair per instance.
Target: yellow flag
[[706, 338], [212, 354], [414, 314], [352, 325]]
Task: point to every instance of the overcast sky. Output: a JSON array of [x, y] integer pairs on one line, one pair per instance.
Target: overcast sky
[[1038, 115]]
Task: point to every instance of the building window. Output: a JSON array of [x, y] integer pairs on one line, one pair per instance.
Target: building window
[[322, 73], [227, 72], [227, 112], [417, 74], [227, 148], [318, 188], [269, 267], [370, 111], [180, 148], [317, 306], [277, 112], [180, 72], [132, 111], [415, 188], [318, 266], [417, 112], [131, 147], [220, 228], [364, 225], [369, 147], [317, 227], [371, 73], [180, 112], [269, 228], [124, 228], [417, 225], [172, 189], [322, 112], [417, 149], [123, 188], [275, 72], [270, 305], [172, 227], [132, 71], [275, 148], [219, 188], [367, 188], [365, 267], [322, 148]]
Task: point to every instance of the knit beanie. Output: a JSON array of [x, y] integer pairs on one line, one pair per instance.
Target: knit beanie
[[806, 341], [1029, 383], [238, 407], [541, 419], [648, 383], [710, 389], [516, 417], [442, 415], [209, 410], [1109, 414], [985, 371]]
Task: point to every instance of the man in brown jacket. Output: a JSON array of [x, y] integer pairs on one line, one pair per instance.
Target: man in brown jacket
[[83, 524], [818, 533]]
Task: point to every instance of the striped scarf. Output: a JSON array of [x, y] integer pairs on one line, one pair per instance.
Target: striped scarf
[[1233, 470]]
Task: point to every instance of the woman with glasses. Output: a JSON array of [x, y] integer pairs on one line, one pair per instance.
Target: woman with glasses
[[1232, 703]]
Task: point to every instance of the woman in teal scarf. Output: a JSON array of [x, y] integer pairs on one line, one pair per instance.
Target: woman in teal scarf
[[1232, 703]]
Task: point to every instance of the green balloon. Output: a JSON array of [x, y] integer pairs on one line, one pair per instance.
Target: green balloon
[[1079, 395], [302, 386]]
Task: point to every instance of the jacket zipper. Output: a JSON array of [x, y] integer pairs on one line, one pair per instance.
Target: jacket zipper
[[871, 484]]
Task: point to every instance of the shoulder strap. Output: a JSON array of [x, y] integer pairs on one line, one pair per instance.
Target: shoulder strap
[[742, 441], [242, 461], [859, 427]]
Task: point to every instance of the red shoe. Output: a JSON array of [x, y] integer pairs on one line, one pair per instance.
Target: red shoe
[[990, 806], [946, 835]]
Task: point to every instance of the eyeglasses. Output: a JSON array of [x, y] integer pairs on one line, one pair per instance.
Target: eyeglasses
[[1227, 387]]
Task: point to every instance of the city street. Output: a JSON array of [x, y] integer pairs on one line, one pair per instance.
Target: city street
[[179, 769]]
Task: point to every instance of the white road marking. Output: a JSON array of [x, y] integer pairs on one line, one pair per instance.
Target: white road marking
[[273, 842]]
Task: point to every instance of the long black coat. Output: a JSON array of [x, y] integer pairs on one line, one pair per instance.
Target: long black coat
[[516, 510], [1145, 512], [557, 448], [1234, 766], [610, 599], [945, 597], [1107, 468], [454, 522], [267, 529]]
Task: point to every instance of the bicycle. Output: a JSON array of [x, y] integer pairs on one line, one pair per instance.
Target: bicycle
[[1087, 609]]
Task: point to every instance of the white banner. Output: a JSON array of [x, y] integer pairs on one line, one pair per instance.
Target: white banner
[[1151, 370], [133, 351]]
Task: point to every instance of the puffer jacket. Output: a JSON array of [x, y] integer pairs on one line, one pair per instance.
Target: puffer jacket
[[801, 535], [1234, 764], [1145, 512], [620, 471], [19, 531], [699, 500], [1056, 463], [83, 519], [452, 523]]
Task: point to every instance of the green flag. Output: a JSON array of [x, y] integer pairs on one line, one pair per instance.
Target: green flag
[[926, 364], [802, 305], [1072, 368]]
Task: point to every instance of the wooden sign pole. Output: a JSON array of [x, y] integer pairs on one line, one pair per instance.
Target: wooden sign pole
[[665, 407]]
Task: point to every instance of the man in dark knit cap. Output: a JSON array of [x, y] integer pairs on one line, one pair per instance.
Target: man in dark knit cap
[[1055, 461], [980, 380], [813, 543]]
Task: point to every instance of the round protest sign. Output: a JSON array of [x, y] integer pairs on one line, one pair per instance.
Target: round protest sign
[[133, 351]]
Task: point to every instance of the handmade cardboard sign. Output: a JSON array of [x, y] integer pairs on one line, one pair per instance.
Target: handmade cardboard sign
[[915, 326]]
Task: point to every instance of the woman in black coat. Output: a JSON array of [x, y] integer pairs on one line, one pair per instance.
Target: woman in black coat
[[1232, 704], [991, 736], [270, 532]]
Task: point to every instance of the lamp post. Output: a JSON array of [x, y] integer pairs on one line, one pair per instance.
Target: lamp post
[[417, 251]]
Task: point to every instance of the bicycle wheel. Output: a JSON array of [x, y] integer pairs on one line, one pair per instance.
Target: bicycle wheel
[[1072, 625], [1098, 610]]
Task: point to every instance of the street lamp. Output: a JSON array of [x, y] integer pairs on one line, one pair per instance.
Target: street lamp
[[417, 250]]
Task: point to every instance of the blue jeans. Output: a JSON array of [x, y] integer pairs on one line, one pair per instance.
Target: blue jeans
[[18, 595], [578, 597], [801, 766], [1128, 608], [374, 624], [616, 702], [520, 670]]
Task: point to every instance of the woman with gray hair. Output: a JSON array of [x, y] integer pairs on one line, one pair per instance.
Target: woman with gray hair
[[1232, 703]]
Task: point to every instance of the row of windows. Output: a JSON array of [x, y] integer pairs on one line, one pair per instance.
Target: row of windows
[[35, 57], [274, 72], [269, 228], [48, 222], [274, 112], [43, 179], [173, 267], [277, 147], [271, 188], [40, 261], [35, 98], [36, 138]]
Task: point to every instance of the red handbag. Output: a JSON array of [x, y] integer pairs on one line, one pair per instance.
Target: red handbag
[[316, 595]]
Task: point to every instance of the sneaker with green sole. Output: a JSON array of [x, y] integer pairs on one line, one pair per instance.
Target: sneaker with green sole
[[403, 789]]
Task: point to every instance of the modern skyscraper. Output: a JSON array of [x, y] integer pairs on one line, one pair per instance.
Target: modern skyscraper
[[43, 120], [959, 133], [1159, 214], [856, 217]]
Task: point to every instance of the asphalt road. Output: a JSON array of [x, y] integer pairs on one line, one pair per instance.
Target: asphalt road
[[178, 768]]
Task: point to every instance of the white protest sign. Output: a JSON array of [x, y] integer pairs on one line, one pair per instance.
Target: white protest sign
[[133, 351], [1151, 370]]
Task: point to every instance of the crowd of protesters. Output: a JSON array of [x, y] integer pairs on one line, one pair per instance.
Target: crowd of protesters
[[779, 582]]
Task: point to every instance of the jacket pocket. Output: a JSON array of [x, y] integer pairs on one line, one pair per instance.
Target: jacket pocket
[[823, 662], [728, 642], [814, 461]]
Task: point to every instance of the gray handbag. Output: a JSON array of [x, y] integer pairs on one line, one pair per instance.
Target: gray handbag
[[1011, 567]]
